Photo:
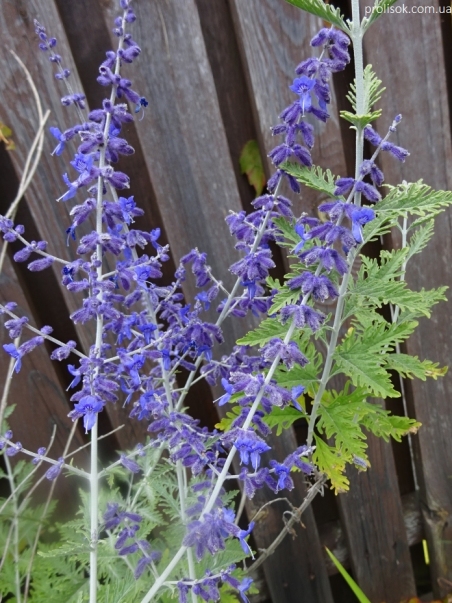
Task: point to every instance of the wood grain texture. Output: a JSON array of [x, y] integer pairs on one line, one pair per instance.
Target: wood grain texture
[[419, 92], [36, 392], [296, 572], [182, 134], [16, 21], [274, 38], [372, 517], [230, 83], [333, 533]]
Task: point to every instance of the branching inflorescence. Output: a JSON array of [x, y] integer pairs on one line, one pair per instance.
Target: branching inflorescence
[[146, 332]]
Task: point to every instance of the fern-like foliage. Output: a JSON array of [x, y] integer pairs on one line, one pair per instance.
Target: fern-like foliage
[[60, 565], [327, 12], [372, 94], [322, 181], [368, 350]]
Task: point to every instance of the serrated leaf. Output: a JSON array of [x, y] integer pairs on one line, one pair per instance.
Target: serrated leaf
[[330, 462], [372, 92], [251, 165], [378, 283], [411, 366], [364, 369], [268, 329], [272, 283], [315, 177], [9, 411], [340, 421], [384, 425], [282, 418], [378, 9], [226, 421], [360, 121], [307, 375], [327, 12], [420, 238], [361, 356], [284, 297], [416, 198], [288, 231]]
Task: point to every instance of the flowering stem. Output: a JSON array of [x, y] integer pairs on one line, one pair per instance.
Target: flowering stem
[[357, 36], [94, 501], [357, 39], [15, 530], [225, 309], [224, 472], [94, 481], [331, 349]]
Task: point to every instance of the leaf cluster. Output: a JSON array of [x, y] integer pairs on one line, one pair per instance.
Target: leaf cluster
[[373, 91], [60, 566], [368, 352]]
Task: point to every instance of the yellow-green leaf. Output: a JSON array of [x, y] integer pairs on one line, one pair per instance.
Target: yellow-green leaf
[[251, 165]]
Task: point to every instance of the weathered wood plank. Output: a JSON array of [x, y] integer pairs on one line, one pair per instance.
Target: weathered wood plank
[[333, 536], [296, 572], [274, 38], [230, 83], [182, 134], [16, 21], [372, 517], [37, 393], [416, 87]]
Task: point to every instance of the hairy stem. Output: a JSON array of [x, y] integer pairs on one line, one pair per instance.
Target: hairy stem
[[357, 39], [331, 349], [94, 481], [15, 530]]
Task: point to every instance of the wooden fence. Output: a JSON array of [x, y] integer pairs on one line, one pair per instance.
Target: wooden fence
[[216, 74]]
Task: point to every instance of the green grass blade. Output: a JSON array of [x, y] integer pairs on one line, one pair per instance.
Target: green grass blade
[[355, 588]]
